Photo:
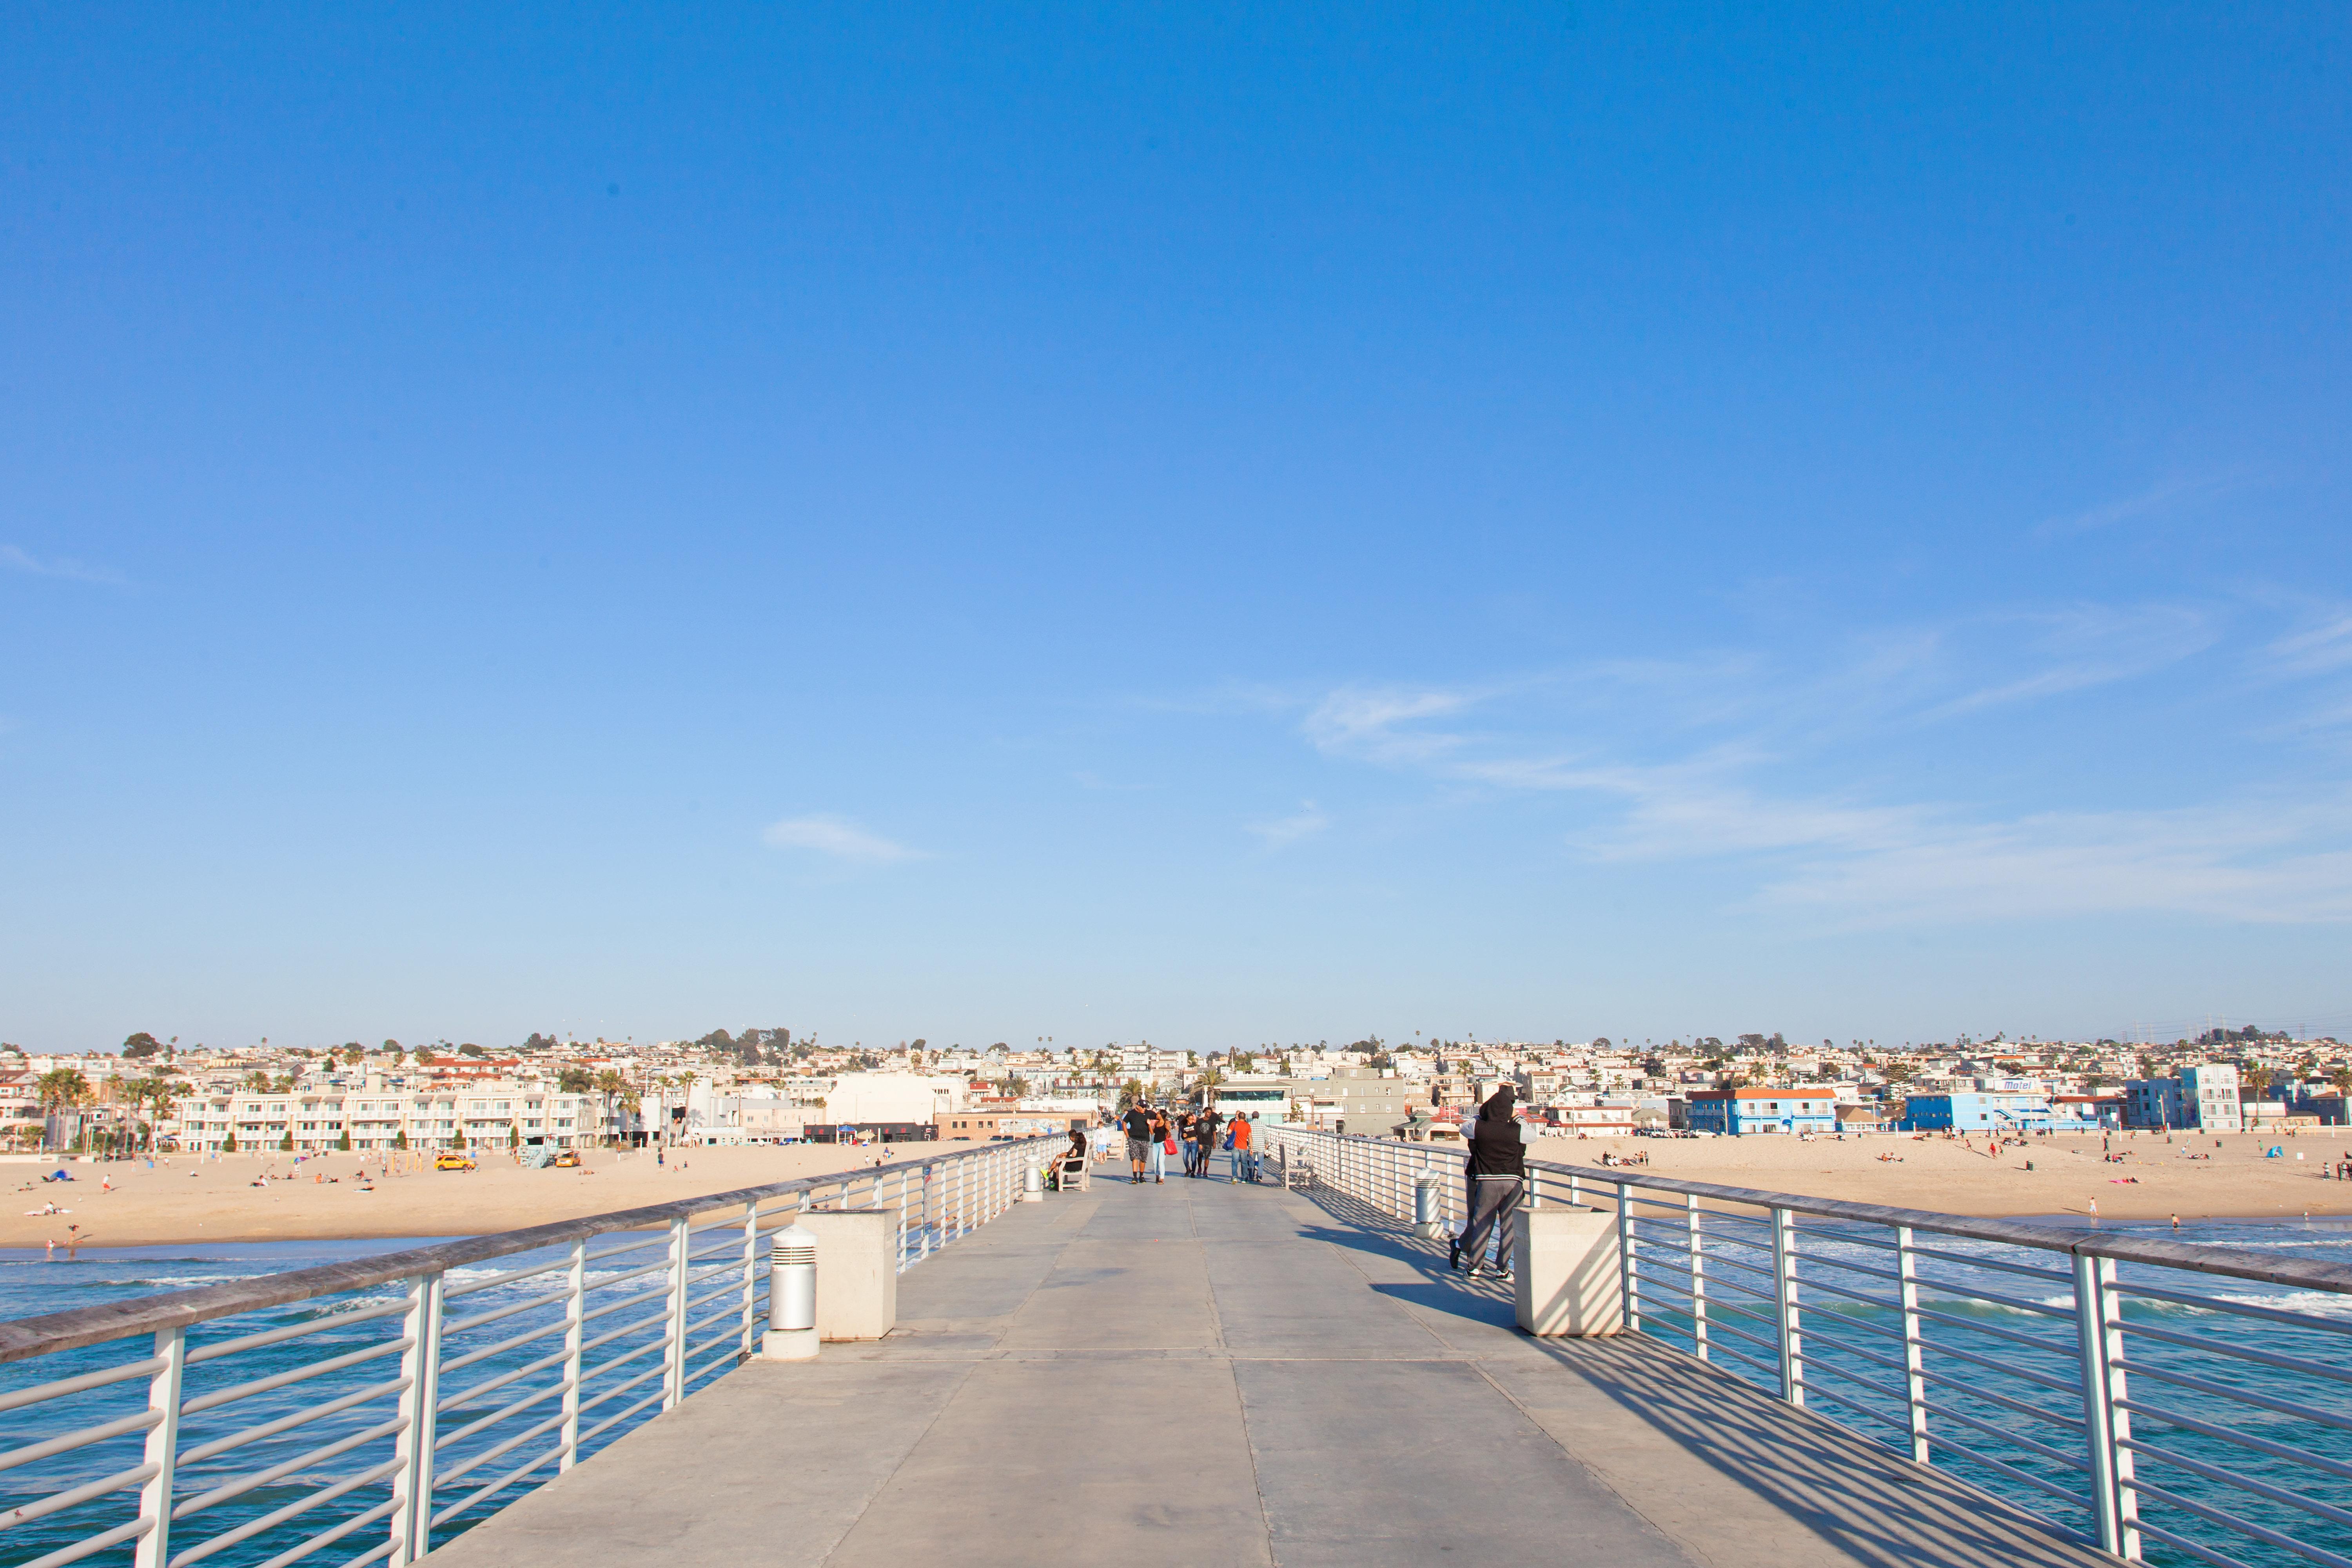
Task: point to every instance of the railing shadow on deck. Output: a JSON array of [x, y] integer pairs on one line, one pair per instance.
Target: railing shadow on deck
[[1863, 1495], [1868, 1499], [1369, 1228]]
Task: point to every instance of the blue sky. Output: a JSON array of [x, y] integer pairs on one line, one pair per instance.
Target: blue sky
[[1172, 522]]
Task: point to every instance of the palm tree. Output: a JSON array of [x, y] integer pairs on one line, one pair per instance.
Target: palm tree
[[160, 1099], [609, 1083], [62, 1089]]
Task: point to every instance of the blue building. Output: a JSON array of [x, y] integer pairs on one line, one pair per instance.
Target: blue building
[[2204, 1097], [1738, 1113], [1977, 1111]]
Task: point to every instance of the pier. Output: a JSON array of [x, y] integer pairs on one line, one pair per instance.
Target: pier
[[1198, 1373], [1201, 1371]]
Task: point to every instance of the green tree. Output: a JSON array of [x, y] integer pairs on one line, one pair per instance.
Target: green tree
[[286, 1143], [400, 1139], [142, 1044], [63, 1090], [574, 1080], [162, 1099], [610, 1083]]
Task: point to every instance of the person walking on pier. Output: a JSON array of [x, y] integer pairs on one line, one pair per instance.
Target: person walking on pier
[[1138, 1123], [1162, 1137], [1243, 1168], [1499, 1170], [1204, 1140]]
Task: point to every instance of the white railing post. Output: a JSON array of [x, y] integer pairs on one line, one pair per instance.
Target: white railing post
[[420, 1368], [681, 1245], [1628, 1279], [931, 1197], [1697, 1280], [154, 1548], [2106, 1426], [1915, 1348], [575, 1308], [750, 1273], [1784, 1293]]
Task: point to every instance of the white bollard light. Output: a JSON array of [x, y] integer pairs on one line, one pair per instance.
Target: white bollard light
[[1428, 1207], [792, 1296], [1033, 1185]]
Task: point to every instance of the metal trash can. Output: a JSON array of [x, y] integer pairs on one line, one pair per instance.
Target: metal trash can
[[1429, 1206], [792, 1296]]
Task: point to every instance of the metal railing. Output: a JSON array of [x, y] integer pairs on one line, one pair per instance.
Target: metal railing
[[2133, 1394], [272, 1420]]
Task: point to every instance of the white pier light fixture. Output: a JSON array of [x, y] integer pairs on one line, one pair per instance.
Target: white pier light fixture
[[792, 1296]]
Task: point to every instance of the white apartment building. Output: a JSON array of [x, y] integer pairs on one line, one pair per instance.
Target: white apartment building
[[487, 1115]]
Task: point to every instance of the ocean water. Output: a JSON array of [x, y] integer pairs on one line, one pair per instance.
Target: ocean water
[[2003, 1380], [2228, 1397], [250, 1493], [254, 1493]]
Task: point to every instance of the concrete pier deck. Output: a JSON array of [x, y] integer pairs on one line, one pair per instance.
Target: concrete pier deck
[[1198, 1373]]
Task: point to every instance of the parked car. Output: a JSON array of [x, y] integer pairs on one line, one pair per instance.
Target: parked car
[[454, 1162], [567, 1160]]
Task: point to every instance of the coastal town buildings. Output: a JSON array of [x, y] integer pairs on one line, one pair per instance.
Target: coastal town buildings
[[764, 1086]]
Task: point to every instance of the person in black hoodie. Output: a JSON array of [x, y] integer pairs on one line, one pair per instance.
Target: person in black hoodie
[[1498, 1169]]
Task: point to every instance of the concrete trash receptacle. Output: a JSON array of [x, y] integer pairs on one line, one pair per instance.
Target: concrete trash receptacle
[[856, 1272], [1568, 1283]]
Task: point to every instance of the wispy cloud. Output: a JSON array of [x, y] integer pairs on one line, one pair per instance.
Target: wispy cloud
[[2161, 500], [2316, 651], [17, 560], [2255, 863], [1789, 772], [839, 837], [1375, 723], [1306, 822], [2270, 862], [2078, 648]]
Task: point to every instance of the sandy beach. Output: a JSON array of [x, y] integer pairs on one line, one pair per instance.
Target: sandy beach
[[189, 1199], [2155, 1179]]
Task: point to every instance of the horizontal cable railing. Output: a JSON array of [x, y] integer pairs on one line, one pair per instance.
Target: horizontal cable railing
[[349, 1413], [2157, 1399]]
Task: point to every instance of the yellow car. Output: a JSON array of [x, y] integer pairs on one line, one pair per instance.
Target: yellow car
[[568, 1160], [453, 1163]]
